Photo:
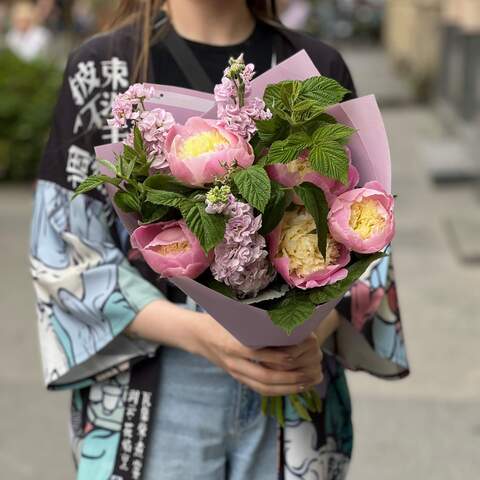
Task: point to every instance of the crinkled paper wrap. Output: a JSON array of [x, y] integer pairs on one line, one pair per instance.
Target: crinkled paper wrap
[[370, 155]]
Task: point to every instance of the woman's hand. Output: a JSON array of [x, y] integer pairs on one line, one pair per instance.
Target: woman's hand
[[269, 371]]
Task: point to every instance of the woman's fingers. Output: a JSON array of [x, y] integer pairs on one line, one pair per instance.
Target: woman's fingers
[[308, 359], [271, 390], [282, 356], [309, 344], [268, 376]]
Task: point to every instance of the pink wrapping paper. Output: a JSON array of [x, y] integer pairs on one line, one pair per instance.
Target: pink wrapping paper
[[370, 154]]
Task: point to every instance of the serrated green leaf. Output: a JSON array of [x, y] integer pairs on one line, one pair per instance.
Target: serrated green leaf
[[169, 199], [254, 186], [301, 117], [275, 208], [285, 151], [312, 125], [209, 229], [94, 181], [152, 213], [316, 204], [338, 132], [338, 289], [273, 129], [160, 181], [272, 96], [109, 165], [289, 92], [325, 91], [330, 159], [127, 202], [292, 312]]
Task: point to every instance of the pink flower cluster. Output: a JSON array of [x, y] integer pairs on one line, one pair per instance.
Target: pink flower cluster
[[129, 105], [241, 260], [236, 112], [153, 124]]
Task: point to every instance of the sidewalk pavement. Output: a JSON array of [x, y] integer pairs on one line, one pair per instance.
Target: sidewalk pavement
[[424, 427], [428, 425]]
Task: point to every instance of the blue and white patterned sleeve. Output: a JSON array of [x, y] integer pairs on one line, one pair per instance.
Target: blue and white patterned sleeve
[[87, 292]]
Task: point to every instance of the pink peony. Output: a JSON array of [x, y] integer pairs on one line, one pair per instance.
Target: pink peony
[[299, 171], [362, 219], [294, 252], [201, 151], [171, 249]]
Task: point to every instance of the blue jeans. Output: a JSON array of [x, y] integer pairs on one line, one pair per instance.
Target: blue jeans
[[207, 426]]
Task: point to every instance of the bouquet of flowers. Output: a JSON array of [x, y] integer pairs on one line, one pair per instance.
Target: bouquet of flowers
[[258, 213]]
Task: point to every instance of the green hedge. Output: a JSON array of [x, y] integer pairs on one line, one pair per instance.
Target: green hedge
[[28, 94]]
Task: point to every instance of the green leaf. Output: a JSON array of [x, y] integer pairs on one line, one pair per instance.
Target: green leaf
[[316, 204], [285, 151], [299, 407], [209, 229], [279, 414], [275, 208], [94, 181], [292, 312], [109, 165], [330, 159], [254, 186], [337, 131], [126, 162], [220, 288], [272, 96], [169, 199], [128, 202], [160, 181], [138, 140], [312, 125], [289, 92], [273, 129], [308, 111], [338, 289], [325, 91], [153, 213]]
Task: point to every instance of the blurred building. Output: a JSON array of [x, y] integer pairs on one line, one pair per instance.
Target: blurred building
[[437, 43]]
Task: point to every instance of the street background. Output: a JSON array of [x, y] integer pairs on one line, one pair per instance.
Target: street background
[[424, 427]]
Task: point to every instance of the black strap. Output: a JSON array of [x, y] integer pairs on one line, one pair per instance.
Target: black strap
[[188, 62]]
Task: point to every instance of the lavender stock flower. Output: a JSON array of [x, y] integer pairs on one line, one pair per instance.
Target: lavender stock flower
[[241, 260], [235, 110]]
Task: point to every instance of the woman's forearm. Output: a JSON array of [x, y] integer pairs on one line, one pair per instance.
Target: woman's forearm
[[168, 324]]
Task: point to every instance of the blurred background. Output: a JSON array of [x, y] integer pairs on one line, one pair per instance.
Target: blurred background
[[421, 58]]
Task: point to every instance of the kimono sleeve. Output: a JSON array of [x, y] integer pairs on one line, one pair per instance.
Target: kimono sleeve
[[87, 292], [370, 336]]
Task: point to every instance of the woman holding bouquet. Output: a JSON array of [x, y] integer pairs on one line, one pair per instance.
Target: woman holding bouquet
[[160, 389]]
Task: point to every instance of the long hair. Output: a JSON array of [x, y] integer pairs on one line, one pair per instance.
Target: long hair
[[142, 13]]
